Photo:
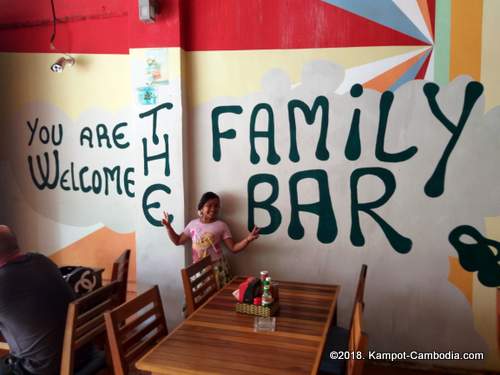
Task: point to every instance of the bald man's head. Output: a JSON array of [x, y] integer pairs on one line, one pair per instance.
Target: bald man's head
[[8, 240]]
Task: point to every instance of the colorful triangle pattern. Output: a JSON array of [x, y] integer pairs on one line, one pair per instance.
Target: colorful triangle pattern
[[414, 18]]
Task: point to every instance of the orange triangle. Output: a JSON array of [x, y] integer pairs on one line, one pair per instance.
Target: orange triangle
[[424, 9], [98, 249], [460, 278], [385, 80]]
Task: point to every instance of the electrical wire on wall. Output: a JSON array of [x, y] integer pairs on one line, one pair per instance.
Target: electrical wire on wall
[[53, 37], [61, 62]]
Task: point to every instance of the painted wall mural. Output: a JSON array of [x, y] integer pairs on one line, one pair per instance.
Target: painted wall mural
[[361, 178], [160, 177], [69, 170], [319, 113], [351, 132], [53, 153], [339, 174], [96, 172]]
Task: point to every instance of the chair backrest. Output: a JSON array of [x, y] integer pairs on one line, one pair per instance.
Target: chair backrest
[[85, 322], [199, 283], [360, 290], [120, 273], [357, 341], [135, 327]]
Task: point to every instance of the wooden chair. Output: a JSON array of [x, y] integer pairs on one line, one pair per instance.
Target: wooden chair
[[4, 347], [135, 327], [199, 283], [498, 316], [85, 325], [351, 340], [120, 273], [360, 289]]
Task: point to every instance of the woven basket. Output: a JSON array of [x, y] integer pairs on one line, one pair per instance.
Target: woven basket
[[246, 308]]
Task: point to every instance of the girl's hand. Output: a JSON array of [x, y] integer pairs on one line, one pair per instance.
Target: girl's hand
[[253, 235], [165, 221]]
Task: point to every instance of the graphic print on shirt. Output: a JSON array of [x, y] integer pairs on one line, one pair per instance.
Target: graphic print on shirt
[[202, 242]]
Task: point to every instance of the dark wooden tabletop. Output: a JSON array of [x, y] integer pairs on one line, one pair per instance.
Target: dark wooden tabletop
[[218, 340]]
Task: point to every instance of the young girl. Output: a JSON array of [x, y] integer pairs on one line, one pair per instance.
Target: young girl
[[207, 233]]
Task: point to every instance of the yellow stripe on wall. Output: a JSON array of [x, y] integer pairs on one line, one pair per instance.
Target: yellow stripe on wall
[[465, 48], [484, 305], [95, 81], [490, 73], [214, 73]]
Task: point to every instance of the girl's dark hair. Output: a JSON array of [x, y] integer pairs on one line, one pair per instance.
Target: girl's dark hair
[[206, 197]]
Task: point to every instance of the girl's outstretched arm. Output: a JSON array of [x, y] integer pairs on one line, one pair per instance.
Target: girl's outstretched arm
[[174, 237], [238, 246]]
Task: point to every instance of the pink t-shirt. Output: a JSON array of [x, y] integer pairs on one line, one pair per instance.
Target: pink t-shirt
[[207, 238]]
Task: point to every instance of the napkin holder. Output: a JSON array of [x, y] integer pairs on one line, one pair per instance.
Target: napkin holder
[[266, 311], [247, 291]]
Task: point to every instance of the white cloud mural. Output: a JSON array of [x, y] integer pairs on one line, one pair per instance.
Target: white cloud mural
[[79, 172]]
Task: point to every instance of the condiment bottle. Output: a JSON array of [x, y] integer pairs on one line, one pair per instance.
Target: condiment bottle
[[267, 298]]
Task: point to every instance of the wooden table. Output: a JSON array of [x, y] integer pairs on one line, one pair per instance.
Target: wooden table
[[217, 340]]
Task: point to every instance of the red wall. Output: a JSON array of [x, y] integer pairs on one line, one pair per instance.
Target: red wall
[[113, 26], [259, 24], [85, 26]]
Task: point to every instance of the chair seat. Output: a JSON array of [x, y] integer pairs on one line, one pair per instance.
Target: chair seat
[[96, 362], [337, 340]]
